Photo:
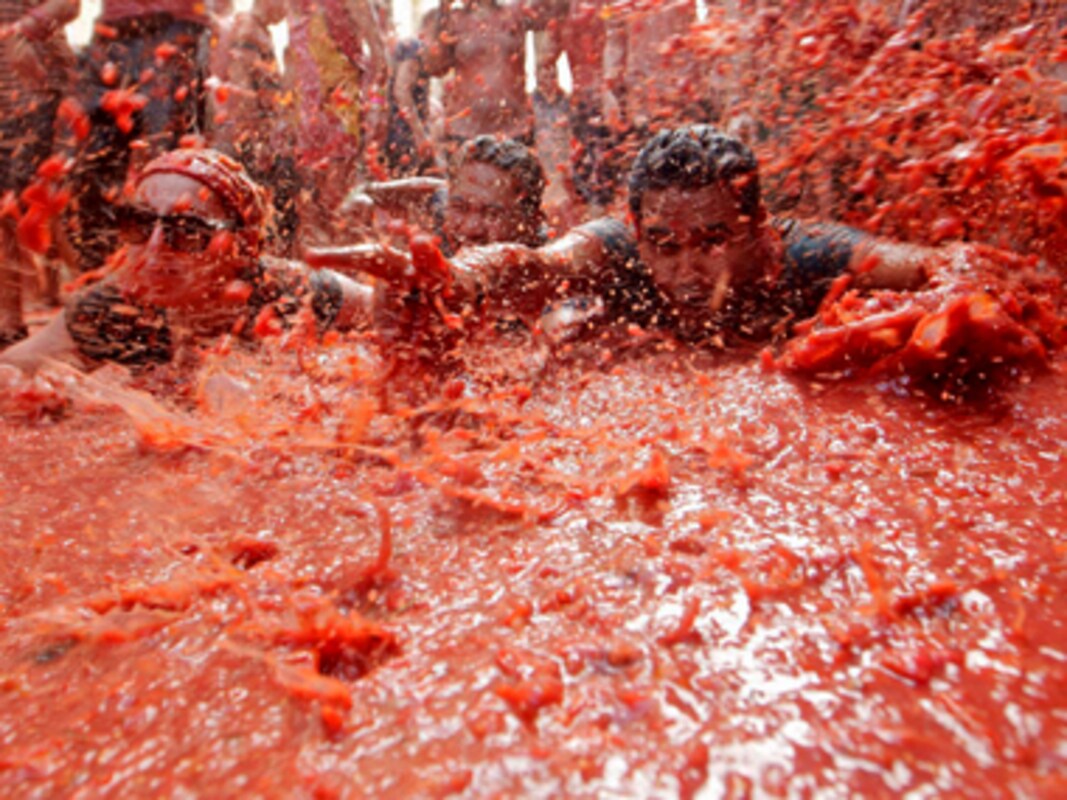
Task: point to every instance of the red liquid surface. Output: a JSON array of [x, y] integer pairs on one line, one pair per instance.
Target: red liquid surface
[[676, 576]]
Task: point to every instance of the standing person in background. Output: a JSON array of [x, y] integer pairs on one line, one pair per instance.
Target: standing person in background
[[248, 119], [142, 80], [35, 68], [327, 71], [581, 33], [409, 146], [552, 132], [375, 91], [650, 68], [483, 44]]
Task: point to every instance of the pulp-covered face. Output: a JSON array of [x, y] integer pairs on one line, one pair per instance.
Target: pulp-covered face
[[483, 207], [697, 246], [181, 248]]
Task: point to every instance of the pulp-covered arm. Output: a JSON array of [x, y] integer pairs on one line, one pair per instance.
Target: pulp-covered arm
[[52, 342], [885, 264], [823, 251], [501, 278], [402, 195]]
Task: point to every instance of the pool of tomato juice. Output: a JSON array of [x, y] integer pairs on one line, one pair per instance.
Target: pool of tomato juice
[[677, 575]]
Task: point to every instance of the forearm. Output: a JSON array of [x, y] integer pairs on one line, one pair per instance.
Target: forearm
[[885, 264], [403, 194], [52, 342], [523, 280], [370, 258], [357, 303]]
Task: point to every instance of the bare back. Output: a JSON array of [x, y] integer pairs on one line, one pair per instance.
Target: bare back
[[659, 75], [487, 92]]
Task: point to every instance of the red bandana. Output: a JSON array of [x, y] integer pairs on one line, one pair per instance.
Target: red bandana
[[223, 176]]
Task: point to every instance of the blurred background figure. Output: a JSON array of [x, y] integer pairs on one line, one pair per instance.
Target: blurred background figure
[[409, 146], [482, 44], [592, 111], [335, 48], [35, 72], [249, 119], [141, 81], [651, 72]]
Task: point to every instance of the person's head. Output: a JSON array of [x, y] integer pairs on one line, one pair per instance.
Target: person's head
[[494, 194], [192, 223], [695, 202]]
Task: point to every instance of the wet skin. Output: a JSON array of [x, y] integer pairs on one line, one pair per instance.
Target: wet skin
[[698, 247], [487, 93], [180, 271], [482, 207]]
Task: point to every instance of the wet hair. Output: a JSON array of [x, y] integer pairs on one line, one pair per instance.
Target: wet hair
[[514, 159], [692, 157]]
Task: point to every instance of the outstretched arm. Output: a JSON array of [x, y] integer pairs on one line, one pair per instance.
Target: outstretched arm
[[403, 194], [52, 342], [884, 264], [500, 278], [372, 259]]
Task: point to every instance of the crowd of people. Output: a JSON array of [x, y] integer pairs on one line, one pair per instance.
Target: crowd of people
[[197, 187]]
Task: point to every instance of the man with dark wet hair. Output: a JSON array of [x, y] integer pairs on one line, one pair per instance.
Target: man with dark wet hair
[[495, 187], [703, 261], [706, 240], [693, 157], [493, 194]]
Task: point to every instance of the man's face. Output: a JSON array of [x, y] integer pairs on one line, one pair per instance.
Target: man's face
[[483, 207], [181, 248], [697, 246]]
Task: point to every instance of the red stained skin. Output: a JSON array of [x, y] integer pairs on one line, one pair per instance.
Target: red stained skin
[[662, 573]]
